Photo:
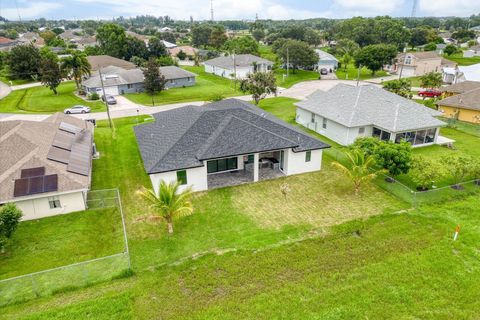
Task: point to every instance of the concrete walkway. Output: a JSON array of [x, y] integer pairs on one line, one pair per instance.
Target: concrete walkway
[[4, 90], [26, 86]]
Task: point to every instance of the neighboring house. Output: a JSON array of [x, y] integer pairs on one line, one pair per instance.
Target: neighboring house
[[459, 88], [6, 44], [224, 143], [120, 81], [345, 113], [46, 165], [168, 45], [472, 52], [237, 66], [461, 74], [190, 51], [103, 61], [166, 29], [463, 106], [31, 38], [326, 60], [414, 64]]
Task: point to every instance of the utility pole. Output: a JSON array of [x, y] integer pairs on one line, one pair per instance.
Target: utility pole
[[105, 98], [358, 74], [211, 10], [288, 62], [234, 72], [404, 60]]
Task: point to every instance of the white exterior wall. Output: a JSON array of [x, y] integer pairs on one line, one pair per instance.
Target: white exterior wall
[[295, 162], [242, 72], [40, 208], [196, 179]]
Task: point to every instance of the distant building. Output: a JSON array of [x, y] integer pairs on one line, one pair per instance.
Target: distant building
[[237, 66], [414, 64], [462, 102], [103, 61], [326, 60]]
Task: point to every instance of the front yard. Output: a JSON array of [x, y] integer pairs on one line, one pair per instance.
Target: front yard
[[352, 73], [42, 100]]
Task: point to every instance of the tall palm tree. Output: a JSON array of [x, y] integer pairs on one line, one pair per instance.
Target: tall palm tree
[[77, 66], [169, 203], [360, 168]]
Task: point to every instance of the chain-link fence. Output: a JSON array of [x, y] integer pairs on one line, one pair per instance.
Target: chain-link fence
[[47, 282], [409, 195]]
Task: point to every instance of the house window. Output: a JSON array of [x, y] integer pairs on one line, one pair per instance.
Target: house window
[[324, 123], [361, 130], [308, 156], [408, 60], [417, 137], [54, 202], [312, 118], [380, 134], [220, 165], [129, 86], [182, 177]]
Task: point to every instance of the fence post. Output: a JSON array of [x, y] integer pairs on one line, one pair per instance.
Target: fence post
[[127, 251], [34, 287]]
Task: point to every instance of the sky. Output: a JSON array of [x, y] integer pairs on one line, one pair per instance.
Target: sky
[[231, 9]]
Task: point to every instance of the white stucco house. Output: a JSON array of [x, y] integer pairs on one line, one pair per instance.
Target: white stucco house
[[461, 74], [345, 113], [45, 166], [237, 66], [224, 143]]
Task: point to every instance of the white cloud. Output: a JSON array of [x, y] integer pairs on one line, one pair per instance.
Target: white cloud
[[448, 7], [224, 9], [346, 8], [29, 10]]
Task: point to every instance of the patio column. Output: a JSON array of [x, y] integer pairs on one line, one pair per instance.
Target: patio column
[[255, 167]]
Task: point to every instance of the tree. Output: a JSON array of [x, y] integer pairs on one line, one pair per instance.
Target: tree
[[346, 60], [463, 35], [419, 36], [242, 45], [312, 37], [112, 39], [154, 80], [294, 32], [23, 61], [156, 48], [298, 53], [375, 56], [201, 35], [450, 49], [10, 217], [135, 48], [259, 84], [431, 80], [169, 203], [50, 74], [360, 168], [258, 34], [77, 66], [346, 46], [459, 166], [218, 37], [181, 55], [48, 36], [425, 172], [402, 87], [432, 46]]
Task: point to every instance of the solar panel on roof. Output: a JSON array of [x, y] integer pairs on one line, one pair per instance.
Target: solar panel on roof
[[32, 172], [35, 185], [69, 127], [59, 155], [63, 140]]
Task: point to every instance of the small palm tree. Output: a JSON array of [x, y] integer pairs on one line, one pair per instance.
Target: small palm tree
[[360, 168], [169, 203], [78, 66]]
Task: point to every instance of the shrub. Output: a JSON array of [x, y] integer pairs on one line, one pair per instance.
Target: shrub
[[10, 216], [459, 167], [425, 172], [181, 55], [217, 97], [94, 96]]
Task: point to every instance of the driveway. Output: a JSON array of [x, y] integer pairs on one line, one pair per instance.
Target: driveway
[[4, 90]]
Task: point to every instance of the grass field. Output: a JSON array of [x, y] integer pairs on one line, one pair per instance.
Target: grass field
[[207, 88], [4, 77], [42, 100], [294, 77], [458, 58], [401, 266], [352, 73]]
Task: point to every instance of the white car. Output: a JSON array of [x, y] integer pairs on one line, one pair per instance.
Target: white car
[[77, 109]]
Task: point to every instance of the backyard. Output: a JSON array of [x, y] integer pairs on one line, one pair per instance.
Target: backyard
[[42, 100], [458, 58]]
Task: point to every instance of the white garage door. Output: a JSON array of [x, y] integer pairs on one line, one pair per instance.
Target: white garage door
[[111, 91]]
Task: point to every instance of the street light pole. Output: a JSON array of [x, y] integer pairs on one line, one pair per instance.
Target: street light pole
[[105, 98]]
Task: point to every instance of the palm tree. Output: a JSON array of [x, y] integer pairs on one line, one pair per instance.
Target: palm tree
[[346, 60], [169, 203], [360, 168], [77, 65]]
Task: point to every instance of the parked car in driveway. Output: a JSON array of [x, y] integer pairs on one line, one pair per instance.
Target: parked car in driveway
[[324, 71], [110, 99], [430, 93], [77, 109]]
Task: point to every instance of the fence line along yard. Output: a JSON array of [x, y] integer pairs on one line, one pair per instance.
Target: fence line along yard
[[80, 274]]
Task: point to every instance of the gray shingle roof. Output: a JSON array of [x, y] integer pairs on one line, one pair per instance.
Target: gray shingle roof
[[369, 105], [468, 100], [114, 76], [184, 137], [461, 87], [241, 60]]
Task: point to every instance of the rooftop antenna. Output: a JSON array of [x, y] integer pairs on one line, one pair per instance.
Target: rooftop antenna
[[211, 10], [414, 8]]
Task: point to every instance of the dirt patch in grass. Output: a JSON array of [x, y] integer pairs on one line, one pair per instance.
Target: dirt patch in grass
[[319, 199]]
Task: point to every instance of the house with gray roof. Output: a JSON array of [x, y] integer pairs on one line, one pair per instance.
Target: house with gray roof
[[45, 166], [237, 66], [224, 143], [326, 60], [118, 81], [345, 113]]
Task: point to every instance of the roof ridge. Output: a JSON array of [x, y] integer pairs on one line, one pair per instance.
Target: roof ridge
[[222, 125], [395, 120], [354, 109]]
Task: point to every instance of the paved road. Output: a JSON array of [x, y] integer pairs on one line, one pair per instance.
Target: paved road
[[127, 108]]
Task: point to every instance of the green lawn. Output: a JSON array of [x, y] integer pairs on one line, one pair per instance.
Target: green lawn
[[42, 100], [352, 73], [294, 77], [207, 88], [267, 53], [4, 77], [393, 266], [458, 58], [56, 241]]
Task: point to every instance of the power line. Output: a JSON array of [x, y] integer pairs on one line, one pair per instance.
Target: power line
[[414, 8]]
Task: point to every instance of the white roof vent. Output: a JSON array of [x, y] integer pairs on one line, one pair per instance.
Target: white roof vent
[[111, 76]]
